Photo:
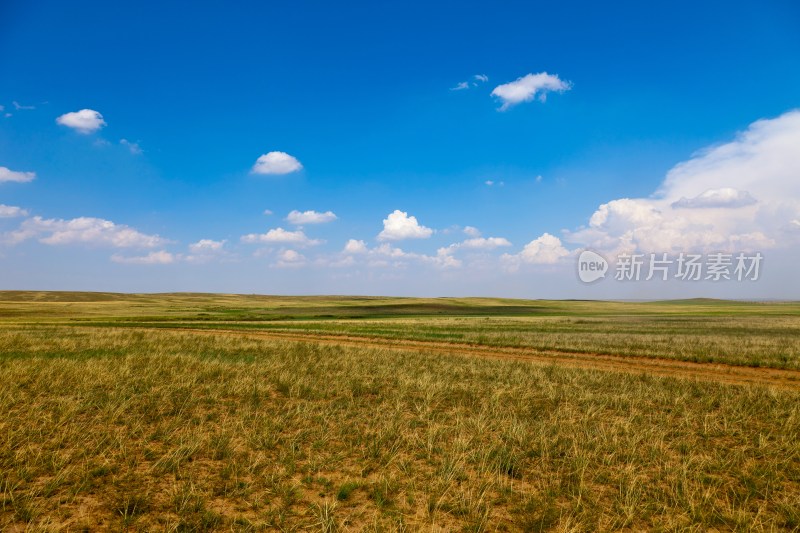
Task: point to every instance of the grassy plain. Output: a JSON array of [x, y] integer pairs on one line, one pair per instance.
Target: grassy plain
[[162, 412]]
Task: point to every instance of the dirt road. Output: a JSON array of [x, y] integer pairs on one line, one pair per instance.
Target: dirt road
[[730, 374]]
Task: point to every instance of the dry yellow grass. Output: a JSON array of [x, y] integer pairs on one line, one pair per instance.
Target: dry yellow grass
[[109, 428]]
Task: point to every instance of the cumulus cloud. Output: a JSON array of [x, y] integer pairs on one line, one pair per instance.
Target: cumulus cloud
[[82, 230], [460, 86], [444, 256], [354, 246], [280, 236], [481, 243], [387, 255], [547, 249], [724, 197], [161, 257], [10, 211], [289, 259], [444, 259], [205, 246], [299, 218], [528, 87], [737, 196], [6, 174], [471, 231], [544, 250], [276, 163], [387, 250], [619, 214], [84, 121], [356, 253], [399, 225], [204, 251]]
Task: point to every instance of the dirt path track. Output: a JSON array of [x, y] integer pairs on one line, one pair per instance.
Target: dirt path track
[[730, 374]]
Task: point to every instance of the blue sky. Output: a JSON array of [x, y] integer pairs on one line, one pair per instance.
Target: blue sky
[[362, 95]]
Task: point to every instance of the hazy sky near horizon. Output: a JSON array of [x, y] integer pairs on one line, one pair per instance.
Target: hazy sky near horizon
[[410, 148]]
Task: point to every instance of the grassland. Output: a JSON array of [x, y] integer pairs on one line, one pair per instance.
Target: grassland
[[170, 412]]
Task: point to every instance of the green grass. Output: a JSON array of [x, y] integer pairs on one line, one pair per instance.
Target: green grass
[[714, 331], [108, 427]]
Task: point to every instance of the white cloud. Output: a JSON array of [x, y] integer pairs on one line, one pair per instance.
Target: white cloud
[[387, 250], [205, 250], [356, 254], [161, 257], [481, 243], [737, 196], [444, 259], [83, 121], [267, 212], [20, 107], [82, 230], [622, 212], [290, 255], [134, 148], [545, 250], [387, 255], [724, 197], [471, 231], [398, 225], [276, 163], [10, 211], [528, 87], [289, 259], [206, 246], [444, 256], [280, 236], [310, 217], [491, 183], [476, 80], [354, 246], [6, 174]]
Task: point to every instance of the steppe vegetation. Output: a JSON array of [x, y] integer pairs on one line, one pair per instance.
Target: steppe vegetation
[[167, 412]]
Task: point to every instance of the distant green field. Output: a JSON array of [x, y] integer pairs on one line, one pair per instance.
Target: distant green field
[[200, 306], [739, 333]]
